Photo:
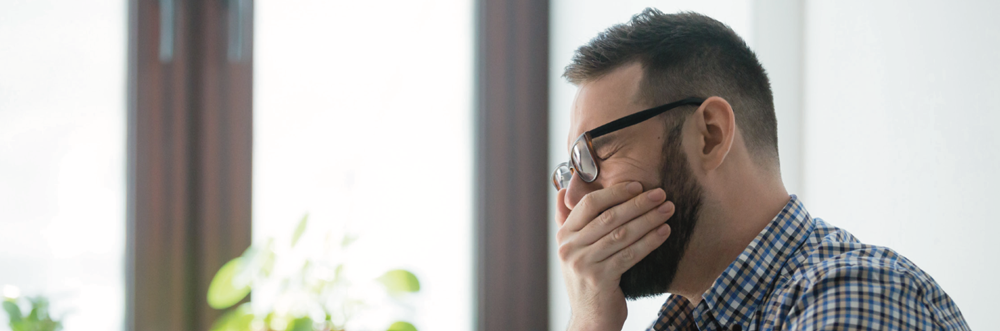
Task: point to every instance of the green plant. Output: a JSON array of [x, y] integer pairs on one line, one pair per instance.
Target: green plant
[[299, 286], [37, 319]]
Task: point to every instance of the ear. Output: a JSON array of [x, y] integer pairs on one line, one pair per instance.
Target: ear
[[715, 127]]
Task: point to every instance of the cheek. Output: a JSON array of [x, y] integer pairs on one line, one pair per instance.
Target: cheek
[[642, 170]]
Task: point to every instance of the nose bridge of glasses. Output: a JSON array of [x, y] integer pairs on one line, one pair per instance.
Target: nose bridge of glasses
[[562, 175]]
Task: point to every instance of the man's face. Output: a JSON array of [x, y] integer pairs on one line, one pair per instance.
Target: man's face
[[648, 153]]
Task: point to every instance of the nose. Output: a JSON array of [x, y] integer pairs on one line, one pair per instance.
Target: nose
[[577, 188]]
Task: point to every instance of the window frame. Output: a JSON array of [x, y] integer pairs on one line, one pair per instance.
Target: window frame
[[189, 156]]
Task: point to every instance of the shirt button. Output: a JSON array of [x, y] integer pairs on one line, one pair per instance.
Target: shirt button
[[737, 327]]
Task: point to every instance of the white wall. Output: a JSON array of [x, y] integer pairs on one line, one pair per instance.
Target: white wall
[[900, 134], [884, 118], [779, 45]]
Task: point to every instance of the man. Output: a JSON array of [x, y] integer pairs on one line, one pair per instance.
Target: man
[[673, 186]]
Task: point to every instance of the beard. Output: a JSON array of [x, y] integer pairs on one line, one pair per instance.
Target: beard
[[655, 272]]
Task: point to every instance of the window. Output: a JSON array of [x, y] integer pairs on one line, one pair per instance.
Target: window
[[363, 117], [62, 157]]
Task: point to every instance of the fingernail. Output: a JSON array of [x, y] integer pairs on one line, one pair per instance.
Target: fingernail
[[634, 187], [666, 207], [663, 230], [657, 195]]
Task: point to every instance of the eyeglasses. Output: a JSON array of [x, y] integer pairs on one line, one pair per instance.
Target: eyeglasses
[[581, 156]]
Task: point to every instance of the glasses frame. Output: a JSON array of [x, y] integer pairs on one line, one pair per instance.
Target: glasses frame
[[564, 171]]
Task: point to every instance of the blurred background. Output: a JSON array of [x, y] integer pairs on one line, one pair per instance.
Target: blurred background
[[146, 143]]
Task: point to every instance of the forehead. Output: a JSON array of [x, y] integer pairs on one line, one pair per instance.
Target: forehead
[[605, 99]]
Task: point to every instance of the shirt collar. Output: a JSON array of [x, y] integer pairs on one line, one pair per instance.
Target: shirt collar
[[739, 291]]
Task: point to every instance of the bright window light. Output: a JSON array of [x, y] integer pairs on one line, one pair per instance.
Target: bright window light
[[62, 158], [363, 120]]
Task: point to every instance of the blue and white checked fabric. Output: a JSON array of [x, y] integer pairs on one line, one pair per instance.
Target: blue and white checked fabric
[[801, 273]]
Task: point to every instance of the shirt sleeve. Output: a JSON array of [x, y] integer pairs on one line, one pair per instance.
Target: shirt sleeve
[[855, 295]]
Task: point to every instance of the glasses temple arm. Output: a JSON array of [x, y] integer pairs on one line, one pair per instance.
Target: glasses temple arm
[[641, 116]]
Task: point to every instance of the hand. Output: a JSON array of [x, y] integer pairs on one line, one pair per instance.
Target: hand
[[604, 235]]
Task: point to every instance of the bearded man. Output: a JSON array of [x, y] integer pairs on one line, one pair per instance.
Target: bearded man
[[674, 186]]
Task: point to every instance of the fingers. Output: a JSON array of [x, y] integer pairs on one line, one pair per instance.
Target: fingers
[[623, 213], [624, 259], [620, 238], [595, 202], [561, 210]]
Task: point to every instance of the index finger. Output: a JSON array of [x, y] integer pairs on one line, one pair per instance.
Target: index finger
[[596, 202], [562, 212]]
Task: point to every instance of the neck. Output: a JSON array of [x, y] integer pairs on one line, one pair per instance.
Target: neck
[[730, 219]]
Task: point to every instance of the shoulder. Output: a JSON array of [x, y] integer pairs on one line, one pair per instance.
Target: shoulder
[[841, 283]]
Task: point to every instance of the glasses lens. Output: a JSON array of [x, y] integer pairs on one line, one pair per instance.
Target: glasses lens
[[583, 161], [562, 176]]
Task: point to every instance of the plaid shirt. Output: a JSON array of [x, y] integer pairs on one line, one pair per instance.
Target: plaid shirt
[[801, 273]]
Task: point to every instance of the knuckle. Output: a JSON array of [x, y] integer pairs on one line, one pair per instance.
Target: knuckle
[[577, 266], [564, 252], [588, 280], [606, 218], [586, 201], [592, 279], [626, 257], [637, 202], [619, 234], [652, 218]]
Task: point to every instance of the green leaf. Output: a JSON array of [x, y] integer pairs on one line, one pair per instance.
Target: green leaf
[[299, 230], [222, 292], [33, 314], [238, 319], [399, 281], [402, 326], [300, 324], [348, 240], [13, 311], [338, 272]]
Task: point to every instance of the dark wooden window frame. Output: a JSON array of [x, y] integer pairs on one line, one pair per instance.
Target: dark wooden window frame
[[512, 173], [189, 145]]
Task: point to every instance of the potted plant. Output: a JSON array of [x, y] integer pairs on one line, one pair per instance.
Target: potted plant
[[301, 286], [37, 318]]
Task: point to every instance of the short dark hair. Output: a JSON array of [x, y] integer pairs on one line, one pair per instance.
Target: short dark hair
[[687, 55]]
